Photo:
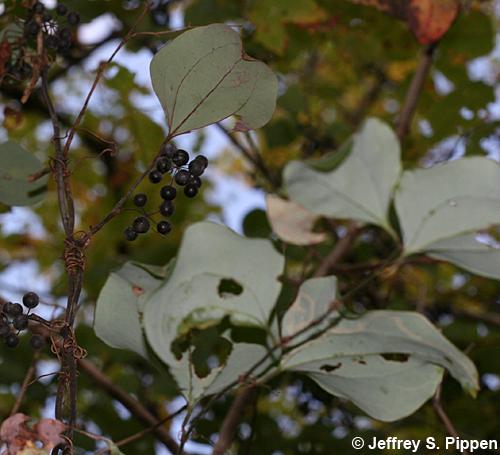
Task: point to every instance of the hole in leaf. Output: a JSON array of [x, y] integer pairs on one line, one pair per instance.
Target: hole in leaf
[[396, 357], [228, 287], [330, 368]]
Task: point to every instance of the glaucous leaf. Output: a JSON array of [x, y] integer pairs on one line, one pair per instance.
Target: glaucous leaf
[[447, 200], [473, 252], [119, 305], [360, 188], [291, 222], [204, 76], [387, 362], [217, 273], [17, 164]]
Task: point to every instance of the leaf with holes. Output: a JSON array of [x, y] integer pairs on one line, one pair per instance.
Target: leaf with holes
[[204, 76], [360, 187], [387, 362], [429, 20], [217, 274], [17, 164], [446, 201], [291, 222]]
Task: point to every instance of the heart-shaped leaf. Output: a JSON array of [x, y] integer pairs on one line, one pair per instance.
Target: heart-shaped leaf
[[360, 187], [447, 200], [204, 76], [16, 166]]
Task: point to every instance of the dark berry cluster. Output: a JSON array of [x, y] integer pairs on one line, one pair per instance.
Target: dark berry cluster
[[183, 173], [57, 35], [13, 320]]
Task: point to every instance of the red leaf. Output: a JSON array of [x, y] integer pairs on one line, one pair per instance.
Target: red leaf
[[15, 433], [49, 432]]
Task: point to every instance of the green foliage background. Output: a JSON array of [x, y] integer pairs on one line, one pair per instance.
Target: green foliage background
[[337, 63]]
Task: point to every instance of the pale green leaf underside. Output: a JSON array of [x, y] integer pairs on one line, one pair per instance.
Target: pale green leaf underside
[[16, 165], [386, 390], [360, 188], [467, 252], [376, 333], [120, 302], [203, 76], [313, 301], [447, 200], [209, 254]]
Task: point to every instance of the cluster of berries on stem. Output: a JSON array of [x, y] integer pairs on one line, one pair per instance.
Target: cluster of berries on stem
[[14, 320], [183, 173], [21, 53]]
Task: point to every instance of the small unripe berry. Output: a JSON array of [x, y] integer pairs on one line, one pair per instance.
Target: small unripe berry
[[130, 234], [38, 7], [163, 227], [65, 34], [167, 208], [182, 177], [155, 176], [180, 158], [141, 225], [140, 200], [31, 300], [191, 190], [168, 193], [61, 9]]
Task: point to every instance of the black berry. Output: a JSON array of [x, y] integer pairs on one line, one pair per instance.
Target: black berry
[[62, 10], [140, 200], [51, 42], [193, 179], [182, 177], [155, 176], [20, 322], [180, 158], [37, 342], [167, 208], [130, 234], [13, 309], [168, 150], [163, 227], [38, 7], [168, 193], [12, 340], [4, 329], [163, 165], [31, 28], [73, 18], [65, 34], [141, 225], [31, 300], [191, 190], [202, 159], [196, 167]]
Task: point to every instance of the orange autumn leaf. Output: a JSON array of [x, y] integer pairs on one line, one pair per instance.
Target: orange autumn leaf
[[429, 20]]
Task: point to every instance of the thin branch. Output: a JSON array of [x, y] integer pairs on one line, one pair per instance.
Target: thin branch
[[227, 432], [136, 408], [24, 387], [339, 251], [417, 83], [440, 412]]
